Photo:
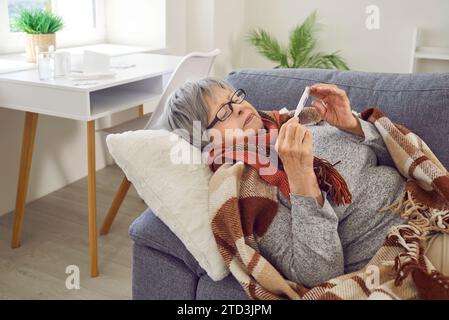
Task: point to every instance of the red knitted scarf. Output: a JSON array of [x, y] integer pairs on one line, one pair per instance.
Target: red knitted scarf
[[258, 151]]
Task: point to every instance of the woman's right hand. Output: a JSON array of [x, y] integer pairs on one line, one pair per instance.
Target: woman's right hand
[[294, 147], [334, 107]]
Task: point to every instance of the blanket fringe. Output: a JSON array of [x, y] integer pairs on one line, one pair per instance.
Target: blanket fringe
[[422, 217], [422, 223]]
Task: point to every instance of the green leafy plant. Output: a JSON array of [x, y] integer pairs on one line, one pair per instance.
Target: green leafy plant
[[301, 51], [35, 21]]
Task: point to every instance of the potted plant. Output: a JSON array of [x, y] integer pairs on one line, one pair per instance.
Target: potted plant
[[40, 27], [301, 51]]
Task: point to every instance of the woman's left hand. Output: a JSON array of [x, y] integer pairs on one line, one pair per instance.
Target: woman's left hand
[[334, 107]]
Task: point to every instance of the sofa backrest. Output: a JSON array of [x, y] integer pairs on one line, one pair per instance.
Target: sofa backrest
[[419, 101]]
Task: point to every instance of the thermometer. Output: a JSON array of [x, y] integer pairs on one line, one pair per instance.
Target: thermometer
[[302, 101]]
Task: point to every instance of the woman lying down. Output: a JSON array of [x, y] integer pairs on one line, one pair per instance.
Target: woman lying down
[[311, 239]]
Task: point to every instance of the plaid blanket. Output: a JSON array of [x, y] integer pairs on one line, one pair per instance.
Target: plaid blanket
[[242, 206]]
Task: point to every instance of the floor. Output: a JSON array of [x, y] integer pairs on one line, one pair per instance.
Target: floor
[[55, 237]]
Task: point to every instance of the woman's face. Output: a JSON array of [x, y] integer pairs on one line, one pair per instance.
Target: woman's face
[[243, 121]]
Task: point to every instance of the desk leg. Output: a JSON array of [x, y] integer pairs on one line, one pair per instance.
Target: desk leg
[[141, 111], [29, 133], [92, 205]]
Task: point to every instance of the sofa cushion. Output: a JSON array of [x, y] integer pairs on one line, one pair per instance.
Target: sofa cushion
[[418, 101]]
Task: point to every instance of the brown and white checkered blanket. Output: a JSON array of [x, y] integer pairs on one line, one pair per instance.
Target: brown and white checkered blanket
[[242, 206]]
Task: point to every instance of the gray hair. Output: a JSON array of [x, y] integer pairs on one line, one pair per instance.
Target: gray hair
[[187, 104]]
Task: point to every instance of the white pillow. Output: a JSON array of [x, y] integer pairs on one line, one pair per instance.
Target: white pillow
[[176, 192]]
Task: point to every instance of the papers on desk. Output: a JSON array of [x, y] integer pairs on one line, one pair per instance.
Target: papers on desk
[[96, 66], [91, 75]]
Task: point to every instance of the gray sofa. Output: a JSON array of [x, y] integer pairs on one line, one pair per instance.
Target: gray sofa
[[164, 269]]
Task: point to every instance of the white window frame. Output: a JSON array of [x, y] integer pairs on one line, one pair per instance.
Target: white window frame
[[11, 42]]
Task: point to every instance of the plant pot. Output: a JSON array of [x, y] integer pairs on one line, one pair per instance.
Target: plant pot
[[41, 40]]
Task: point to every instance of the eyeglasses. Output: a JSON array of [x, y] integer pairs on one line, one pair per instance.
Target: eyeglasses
[[226, 109]]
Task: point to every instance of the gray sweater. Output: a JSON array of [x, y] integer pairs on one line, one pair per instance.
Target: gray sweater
[[311, 244]]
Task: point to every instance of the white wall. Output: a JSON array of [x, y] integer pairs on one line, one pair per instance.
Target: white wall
[[385, 50], [217, 24], [230, 27], [200, 25], [176, 25], [126, 25], [343, 28]]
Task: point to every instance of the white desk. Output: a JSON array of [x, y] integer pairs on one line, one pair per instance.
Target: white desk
[[17, 61], [75, 100]]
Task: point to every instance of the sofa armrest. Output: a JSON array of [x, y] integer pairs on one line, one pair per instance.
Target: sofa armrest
[[149, 231], [159, 276]]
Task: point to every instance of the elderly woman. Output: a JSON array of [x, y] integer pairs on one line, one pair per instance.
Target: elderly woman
[[310, 239]]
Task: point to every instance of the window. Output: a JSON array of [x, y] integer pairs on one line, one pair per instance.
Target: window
[[79, 14], [14, 7], [84, 22], [129, 22]]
